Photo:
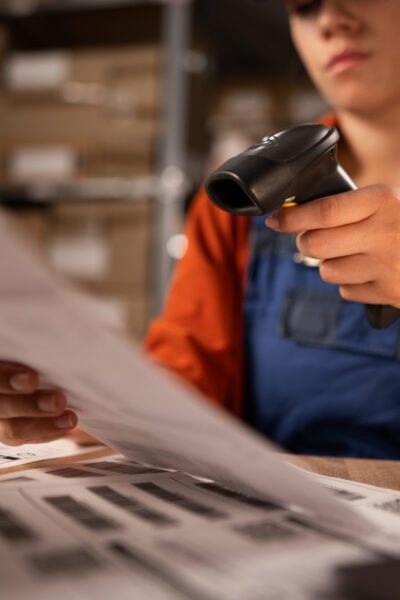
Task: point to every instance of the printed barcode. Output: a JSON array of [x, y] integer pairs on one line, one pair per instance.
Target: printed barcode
[[264, 504], [20, 478], [132, 506], [73, 561], [71, 472], [82, 513], [181, 501], [116, 467], [390, 506], [346, 494], [12, 529], [6, 458], [266, 531], [196, 557], [156, 570]]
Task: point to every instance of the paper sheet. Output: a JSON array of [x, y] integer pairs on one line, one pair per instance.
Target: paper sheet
[[112, 528], [155, 535], [11, 456], [121, 399]]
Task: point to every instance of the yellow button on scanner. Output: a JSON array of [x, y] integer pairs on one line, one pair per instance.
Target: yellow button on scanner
[[289, 202]]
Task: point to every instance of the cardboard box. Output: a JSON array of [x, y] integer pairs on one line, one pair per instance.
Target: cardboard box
[[99, 106], [127, 309], [33, 224], [112, 268], [107, 242], [43, 162], [29, 72], [82, 126], [122, 94], [92, 142]]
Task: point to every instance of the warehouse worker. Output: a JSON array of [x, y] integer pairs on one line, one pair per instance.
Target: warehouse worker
[[284, 345]]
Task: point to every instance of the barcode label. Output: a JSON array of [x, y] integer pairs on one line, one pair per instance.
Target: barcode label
[[74, 561], [71, 472], [182, 501], [346, 494], [266, 531], [392, 506], [20, 478], [158, 571], [12, 529], [115, 467], [82, 513], [132, 506], [5, 458], [264, 504]]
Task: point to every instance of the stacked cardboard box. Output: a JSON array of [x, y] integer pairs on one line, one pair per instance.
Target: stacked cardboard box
[[98, 111], [68, 115]]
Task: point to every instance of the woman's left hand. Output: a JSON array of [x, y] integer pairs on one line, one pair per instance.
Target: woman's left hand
[[356, 235], [82, 438]]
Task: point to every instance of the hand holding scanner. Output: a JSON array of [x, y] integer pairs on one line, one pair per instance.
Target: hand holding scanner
[[295, 165]]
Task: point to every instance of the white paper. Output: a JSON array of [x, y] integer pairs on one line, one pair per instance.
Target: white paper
[[84, 252], [38, 163], [111, 528], [121, 399], [11, 456], [43, 70], [87, 531]]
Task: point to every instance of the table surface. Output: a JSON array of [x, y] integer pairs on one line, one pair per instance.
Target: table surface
[[383, 473]]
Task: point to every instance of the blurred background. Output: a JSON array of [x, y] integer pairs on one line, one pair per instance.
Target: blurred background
[[112, 112]]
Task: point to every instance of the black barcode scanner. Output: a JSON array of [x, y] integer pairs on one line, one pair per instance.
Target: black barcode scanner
[[290, 167]]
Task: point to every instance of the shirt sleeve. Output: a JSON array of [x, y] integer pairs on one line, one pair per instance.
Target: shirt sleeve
[[199, 334]]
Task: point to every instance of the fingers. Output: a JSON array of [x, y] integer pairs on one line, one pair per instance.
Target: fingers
[[366, 293], [17, 379], [27, 414], [349, 270], [15, 432], [39, 404], [335, 243], [332, 211], [82, 438]]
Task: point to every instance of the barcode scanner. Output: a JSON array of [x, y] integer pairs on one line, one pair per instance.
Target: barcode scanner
[[291, 167]]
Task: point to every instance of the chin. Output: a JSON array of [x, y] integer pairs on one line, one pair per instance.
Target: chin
[[354, 98]]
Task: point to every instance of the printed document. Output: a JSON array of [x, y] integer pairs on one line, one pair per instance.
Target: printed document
[[199, 507]]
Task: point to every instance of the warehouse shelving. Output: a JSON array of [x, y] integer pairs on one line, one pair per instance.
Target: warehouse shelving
[[169, 183], [94, 188], [22, 8]]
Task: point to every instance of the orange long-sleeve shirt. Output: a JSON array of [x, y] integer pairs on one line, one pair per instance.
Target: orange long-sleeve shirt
[[199, 334]]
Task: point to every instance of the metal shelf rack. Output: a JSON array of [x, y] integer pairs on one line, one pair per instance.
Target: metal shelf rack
[[169, 183], [23, 8]]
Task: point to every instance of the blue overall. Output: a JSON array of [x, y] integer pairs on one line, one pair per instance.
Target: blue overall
[[320, 379]]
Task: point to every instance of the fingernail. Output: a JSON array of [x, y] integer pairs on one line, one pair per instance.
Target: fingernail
[[65, 422], [22, 382], [49, 404]]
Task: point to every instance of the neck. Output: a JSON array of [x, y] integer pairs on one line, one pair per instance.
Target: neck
[[370, 147]]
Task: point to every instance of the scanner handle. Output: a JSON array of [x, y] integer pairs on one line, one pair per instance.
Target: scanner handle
[[379, 316]]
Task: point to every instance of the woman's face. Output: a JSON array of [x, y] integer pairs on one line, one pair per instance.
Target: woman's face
[[351, 49]]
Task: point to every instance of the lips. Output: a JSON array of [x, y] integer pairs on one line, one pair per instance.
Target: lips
[[348, 59]]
